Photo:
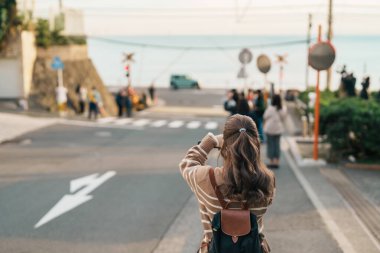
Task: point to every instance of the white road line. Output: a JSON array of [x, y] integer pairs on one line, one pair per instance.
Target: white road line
[[159, 123], [193, 124], [211, 125], [335, 231], [176, 124], [123, 121], [141, 122], [106, 120], [96, 125]]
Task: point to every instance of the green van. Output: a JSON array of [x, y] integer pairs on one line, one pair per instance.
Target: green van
[[183, 81]]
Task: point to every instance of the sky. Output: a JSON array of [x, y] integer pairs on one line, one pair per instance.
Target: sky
[[219, 17]]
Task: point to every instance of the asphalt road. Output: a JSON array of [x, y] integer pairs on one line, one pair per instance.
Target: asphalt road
[[128, 213], [132, 210]]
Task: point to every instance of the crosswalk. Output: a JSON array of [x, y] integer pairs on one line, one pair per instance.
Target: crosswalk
[[158, 123]]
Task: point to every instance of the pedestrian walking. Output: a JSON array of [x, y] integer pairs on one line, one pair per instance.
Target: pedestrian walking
[[121, 102], [82, 97], [243, 182], [243, 106], [273, 127], [152, 93], [130, 93], [258, 111], [61, 98], [231, 103], [94, 99]]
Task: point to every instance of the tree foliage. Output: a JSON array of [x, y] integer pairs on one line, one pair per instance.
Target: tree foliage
[[8, 19], [45, 37]]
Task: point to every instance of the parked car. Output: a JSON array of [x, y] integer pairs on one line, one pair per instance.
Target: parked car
[[183, 81]]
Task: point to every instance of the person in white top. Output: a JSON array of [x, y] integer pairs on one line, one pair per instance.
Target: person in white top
[[274, 116], [61, 97]]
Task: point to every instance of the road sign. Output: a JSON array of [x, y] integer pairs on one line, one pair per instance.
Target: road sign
[[80, 190], [245, 56], [242, 73], [263, 63], [321, 56], [57, 63]]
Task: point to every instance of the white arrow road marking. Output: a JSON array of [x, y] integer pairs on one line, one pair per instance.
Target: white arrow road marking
[[82, 186], [193, 124], [159, 123], [176, 124], [211, 125]]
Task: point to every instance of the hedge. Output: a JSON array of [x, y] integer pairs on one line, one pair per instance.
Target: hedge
[[352, 127]]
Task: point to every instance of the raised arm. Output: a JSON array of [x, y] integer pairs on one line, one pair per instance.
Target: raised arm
[[197, 156]]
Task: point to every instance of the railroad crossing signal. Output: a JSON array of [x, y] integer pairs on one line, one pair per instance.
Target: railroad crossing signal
[[127, 70]]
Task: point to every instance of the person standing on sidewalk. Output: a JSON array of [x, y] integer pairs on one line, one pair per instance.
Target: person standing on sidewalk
[[258, 111], [82, 97], [61, 97], [273, 127], [94, 100], [243, 176]]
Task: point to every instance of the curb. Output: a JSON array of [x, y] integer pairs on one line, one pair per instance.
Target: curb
[[362, 166], [296, 154], [198, 111]]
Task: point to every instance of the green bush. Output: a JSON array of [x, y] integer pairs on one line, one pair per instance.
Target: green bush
[[351, 126], [43, 35], [46, 38], [326, 96]]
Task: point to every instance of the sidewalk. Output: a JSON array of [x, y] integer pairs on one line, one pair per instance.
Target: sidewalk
[[292, 223], [12, 125]]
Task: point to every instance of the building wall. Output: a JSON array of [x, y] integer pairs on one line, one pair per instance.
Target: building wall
[[73, 22], [11, 85], [16, 68]]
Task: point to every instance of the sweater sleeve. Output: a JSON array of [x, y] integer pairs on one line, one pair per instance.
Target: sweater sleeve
[[195, 157]]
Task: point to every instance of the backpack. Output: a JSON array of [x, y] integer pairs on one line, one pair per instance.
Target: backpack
[[234, 230]]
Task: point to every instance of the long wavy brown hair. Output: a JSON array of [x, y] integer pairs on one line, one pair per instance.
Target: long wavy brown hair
[[245, 176]]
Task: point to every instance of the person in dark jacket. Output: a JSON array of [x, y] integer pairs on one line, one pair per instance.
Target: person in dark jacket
[[259, 109], [231, 103], [243, 106]]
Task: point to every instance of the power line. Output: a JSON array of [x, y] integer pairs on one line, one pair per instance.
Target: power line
[[173, 47]]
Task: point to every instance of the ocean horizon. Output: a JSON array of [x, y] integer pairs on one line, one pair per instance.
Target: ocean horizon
[[213, 60]]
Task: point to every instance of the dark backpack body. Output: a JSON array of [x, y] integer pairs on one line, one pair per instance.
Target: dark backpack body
[[223, 243], [234, 230]]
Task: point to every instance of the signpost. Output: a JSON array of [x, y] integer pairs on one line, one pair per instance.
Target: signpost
[[58, 65], [128, 59], [245, 57], [264, 65], [321, 57]]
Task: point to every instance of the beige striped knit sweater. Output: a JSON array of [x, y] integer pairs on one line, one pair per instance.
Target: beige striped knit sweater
[[195, 173]]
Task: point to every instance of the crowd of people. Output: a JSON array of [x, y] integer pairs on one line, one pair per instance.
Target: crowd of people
[[90, 102], [127, 99], [267, 112], [91, 98]]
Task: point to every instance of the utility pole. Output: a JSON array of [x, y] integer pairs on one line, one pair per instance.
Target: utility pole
[[308, 47], [329, 38]]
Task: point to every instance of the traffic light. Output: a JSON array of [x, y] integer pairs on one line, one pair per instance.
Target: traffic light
[[127, 70]]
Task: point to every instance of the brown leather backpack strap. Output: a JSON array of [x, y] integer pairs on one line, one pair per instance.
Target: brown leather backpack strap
[[218, 193]]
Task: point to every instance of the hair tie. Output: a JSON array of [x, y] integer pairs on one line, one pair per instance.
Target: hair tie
[[242, 130]]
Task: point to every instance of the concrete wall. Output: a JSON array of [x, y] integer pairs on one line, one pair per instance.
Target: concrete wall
[[16, 69], [11, 85], [66, 53], [29, 55]]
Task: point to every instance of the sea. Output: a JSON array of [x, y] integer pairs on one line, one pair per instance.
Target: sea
[[214, 62]]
